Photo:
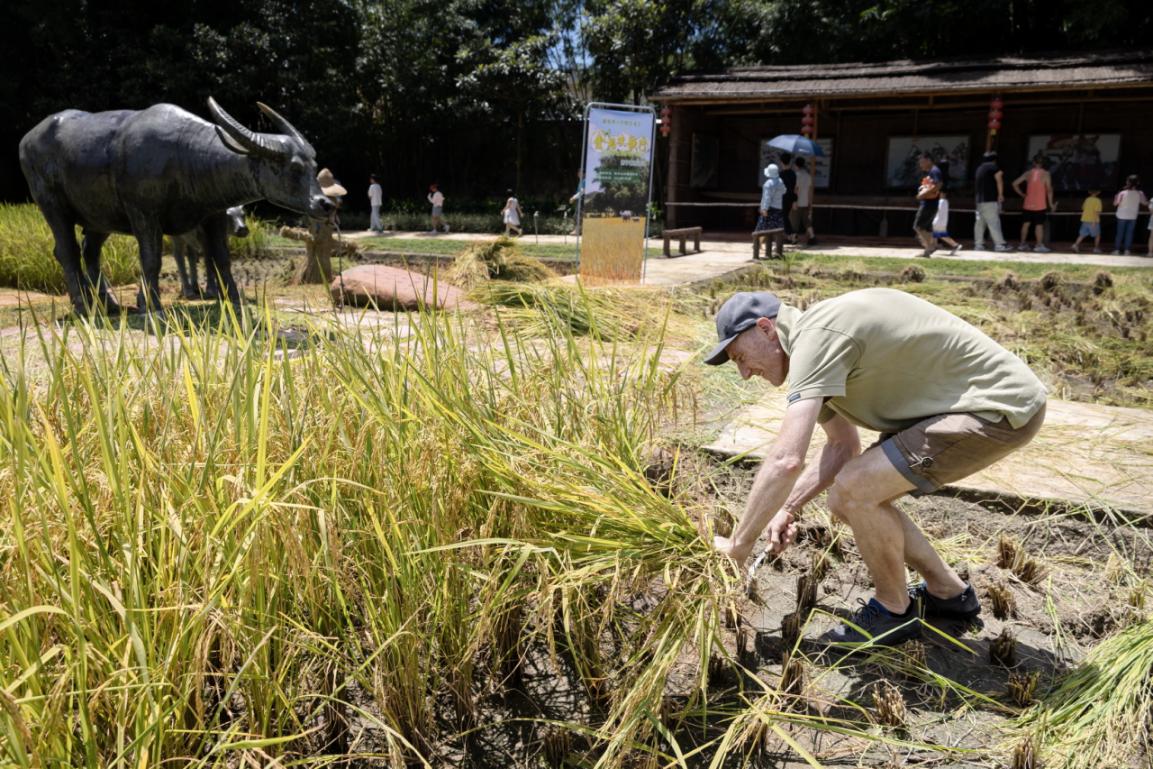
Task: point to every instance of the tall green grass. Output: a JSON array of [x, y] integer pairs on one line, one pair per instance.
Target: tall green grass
[[215, 553], [1101, 714], [27, 261], [257, 244]]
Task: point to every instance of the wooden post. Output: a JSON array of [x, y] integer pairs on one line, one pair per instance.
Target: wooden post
[[673, 178], [813, 169]]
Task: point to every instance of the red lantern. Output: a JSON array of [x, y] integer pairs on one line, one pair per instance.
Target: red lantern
[[666, 120], [806, 130], [807, 109], [997, 104], [994, 125], [807, 120], [995, 114]]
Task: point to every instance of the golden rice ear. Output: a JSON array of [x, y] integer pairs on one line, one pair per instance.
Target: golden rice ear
[[1004, 603], [1003, 649], [889, 705], [1025, 755], [1023, 687]]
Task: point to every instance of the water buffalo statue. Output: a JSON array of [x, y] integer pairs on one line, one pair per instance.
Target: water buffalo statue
[[155, 172], [187, 249]]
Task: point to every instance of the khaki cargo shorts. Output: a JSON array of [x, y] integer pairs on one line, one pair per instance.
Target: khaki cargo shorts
[[949, 447]]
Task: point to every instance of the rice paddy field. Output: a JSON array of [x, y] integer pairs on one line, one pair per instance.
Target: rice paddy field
[[287, 538]]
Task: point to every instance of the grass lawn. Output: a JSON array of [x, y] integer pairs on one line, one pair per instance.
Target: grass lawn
[[992, 270], [434, 247]]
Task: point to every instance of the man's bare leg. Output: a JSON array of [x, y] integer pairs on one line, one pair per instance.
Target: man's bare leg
[[940, 579], [887, 539]]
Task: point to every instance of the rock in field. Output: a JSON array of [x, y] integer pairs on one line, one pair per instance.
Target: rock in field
[[391, 288]]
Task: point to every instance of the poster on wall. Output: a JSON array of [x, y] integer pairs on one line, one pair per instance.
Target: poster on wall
[[822, 163], [617, 172], [703, 162], [1079, 163], [901, 167]]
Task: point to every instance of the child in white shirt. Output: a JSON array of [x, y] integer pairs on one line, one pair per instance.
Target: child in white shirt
[[941, 224]]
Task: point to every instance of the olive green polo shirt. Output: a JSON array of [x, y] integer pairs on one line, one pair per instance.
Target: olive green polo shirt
[[885, 360]]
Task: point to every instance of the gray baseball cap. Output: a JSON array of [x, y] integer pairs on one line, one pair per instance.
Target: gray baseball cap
[[740, 312]]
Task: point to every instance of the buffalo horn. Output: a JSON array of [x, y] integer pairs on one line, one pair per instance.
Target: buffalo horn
[[258, 144], [285, 127]]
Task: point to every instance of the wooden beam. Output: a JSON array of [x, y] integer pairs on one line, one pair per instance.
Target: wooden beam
[[794, 98], [905, 106]]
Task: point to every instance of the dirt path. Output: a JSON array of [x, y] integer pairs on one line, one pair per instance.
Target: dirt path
[[1086, 454]]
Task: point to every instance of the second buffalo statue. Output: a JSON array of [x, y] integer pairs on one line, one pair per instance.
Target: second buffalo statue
[[155, 172]]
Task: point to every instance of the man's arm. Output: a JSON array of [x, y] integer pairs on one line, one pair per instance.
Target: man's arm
[[844, 443], [1017, 183], [927, 191], [774, 481], [1000, 177]]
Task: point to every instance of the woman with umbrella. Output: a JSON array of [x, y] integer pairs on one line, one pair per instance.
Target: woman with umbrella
[[772, 218]]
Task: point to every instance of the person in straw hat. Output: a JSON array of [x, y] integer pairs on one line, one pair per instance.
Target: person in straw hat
[[320, 238]]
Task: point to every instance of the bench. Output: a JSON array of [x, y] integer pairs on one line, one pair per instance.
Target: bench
[[683, 233], [767, 237]]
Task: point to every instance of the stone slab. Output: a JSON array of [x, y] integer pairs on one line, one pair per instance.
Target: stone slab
[[1100, 456]]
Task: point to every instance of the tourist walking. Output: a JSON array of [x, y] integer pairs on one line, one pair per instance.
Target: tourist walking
[[1038, 195], [436, 198], [789, 177], [941, 224], [1128, 203], [947, 400], [928, 192], [801, 217], [1090, 222], [511, 215], [772, 218], [989, 191], [375, 201]]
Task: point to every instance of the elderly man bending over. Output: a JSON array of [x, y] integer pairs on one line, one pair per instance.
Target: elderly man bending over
[[947, 400]]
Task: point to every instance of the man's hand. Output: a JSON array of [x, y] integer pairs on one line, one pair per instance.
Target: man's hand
[[726, 546], [782, 532]]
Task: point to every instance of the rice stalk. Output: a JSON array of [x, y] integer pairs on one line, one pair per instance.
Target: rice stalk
[[499, 259], [1102, 712]]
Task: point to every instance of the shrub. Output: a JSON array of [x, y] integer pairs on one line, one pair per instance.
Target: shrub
[[27, 261]]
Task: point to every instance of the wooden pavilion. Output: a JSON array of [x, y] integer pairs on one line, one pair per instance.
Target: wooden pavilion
[[1091, 114]]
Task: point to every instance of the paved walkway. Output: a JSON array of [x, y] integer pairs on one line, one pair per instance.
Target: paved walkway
[[719, 257], [1101, 456]]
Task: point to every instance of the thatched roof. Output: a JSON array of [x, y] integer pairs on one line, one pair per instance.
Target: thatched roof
[[909, 78]]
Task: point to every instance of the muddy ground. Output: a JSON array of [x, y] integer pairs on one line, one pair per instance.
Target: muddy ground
[[944, 702], [1076, 579]]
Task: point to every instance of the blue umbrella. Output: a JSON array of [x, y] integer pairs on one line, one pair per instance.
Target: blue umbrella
[[796, 144]]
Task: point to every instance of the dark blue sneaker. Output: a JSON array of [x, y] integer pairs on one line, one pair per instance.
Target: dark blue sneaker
[[964, 607], [874, 623]]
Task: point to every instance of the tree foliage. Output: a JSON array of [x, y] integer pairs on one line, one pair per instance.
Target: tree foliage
[[479, 94]]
